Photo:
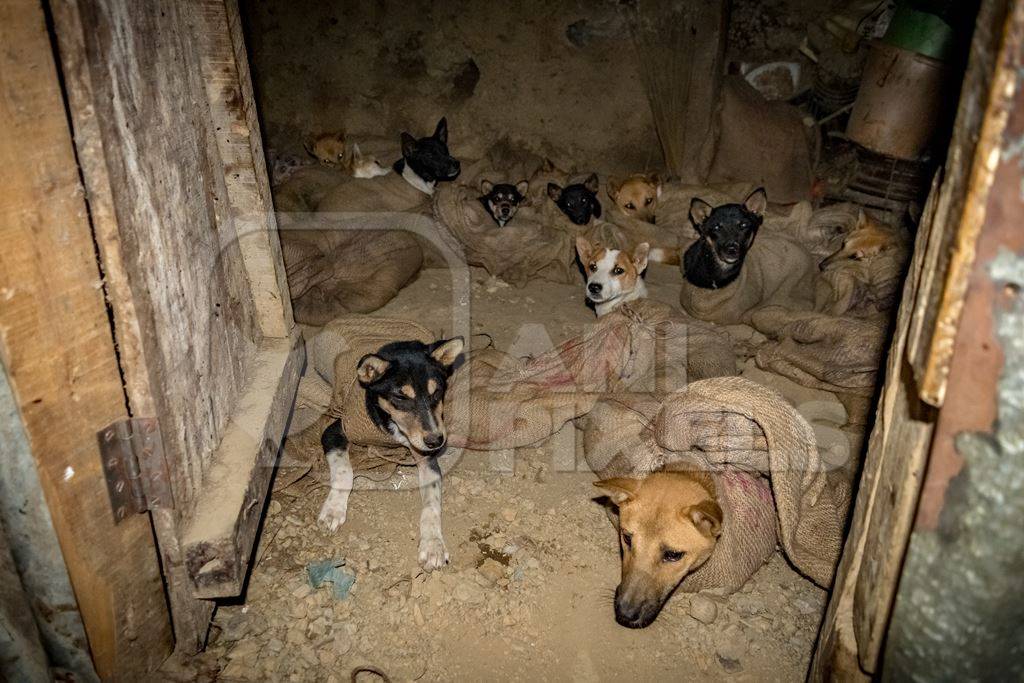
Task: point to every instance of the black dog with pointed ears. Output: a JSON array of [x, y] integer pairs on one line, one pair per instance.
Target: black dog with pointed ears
[[726, 234], [426, 161]]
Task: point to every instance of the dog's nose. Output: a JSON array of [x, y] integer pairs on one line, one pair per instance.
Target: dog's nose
[[594, 287], [433, 441], [630, 616]]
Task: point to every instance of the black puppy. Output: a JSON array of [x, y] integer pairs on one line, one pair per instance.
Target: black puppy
[[426, 161], [577, 201], [405, 384], [726, 233], [503, 200]]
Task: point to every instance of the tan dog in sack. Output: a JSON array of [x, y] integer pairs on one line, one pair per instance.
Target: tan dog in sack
[[669, 523], [720, 471], [637, 195]]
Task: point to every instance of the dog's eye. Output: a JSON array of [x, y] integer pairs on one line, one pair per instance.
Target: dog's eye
[[593, 267], [617, 271], [648, 200], [672, 555], [630, 206], [627, 539]]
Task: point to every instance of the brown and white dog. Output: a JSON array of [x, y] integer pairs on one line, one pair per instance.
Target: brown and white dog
[[637, 195], [363, 165], [614, 276], [669, 523]]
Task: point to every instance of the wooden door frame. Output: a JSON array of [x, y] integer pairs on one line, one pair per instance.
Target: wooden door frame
[[207, 537], [913, 398], [59, 354]]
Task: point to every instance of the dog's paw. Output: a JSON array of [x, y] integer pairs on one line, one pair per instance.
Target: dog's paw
[[433, 553], [334, 511]]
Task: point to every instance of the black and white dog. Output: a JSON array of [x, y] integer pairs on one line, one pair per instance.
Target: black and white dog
[[426, 161], [405, 384]]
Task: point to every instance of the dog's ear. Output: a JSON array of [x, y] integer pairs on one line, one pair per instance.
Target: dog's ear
[[522, 187], [614, 185], [583, 248], [447, 352], [699, 212], [706, 516], [756, 202], [486, 186], [640, 254], [371, 368], [408, 145], [620, 489], [441, 132], [654, 178], [356, 154], [597, 208], [591, 183], [554, 191]]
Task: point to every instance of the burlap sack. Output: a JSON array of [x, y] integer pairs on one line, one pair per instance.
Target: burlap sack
[[742, 432], [535, 244], [838, 354], [643, 346], [496, 401], [760, 142], [777, 272], [333, 270]]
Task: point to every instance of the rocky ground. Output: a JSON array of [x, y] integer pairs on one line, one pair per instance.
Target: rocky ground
[[534, 560]]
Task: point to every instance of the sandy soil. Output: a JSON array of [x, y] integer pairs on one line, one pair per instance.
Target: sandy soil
[[534, 560]]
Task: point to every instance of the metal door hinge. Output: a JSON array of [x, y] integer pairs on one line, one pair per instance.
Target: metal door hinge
[[134, 466]]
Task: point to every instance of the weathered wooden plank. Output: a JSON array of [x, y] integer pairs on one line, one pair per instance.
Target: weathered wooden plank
[[57, 347], [193, 304], [970, 164], [866, 581], [233, 111], [219, 538], [902, 472]]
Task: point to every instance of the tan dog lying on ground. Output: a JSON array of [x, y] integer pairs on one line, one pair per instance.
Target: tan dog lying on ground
[[637, 195], [614, 276], [669, 523]]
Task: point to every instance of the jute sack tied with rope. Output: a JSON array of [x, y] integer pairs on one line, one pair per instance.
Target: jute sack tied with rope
[[837, 354], [643, 346], [770, 480], [335, 268], [497, 401]]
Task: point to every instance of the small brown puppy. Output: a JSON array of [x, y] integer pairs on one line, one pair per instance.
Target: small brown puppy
[[669, 523], [637, 195], [870, 238], [329, 148]]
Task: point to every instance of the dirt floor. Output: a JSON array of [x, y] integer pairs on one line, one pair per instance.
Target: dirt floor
[[534, 560]]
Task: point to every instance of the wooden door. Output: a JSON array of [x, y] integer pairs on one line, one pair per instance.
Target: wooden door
[[58, 352], [913, 399], [144, 302]]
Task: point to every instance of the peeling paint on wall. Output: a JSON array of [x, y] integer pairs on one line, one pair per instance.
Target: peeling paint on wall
[[959, 609]]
